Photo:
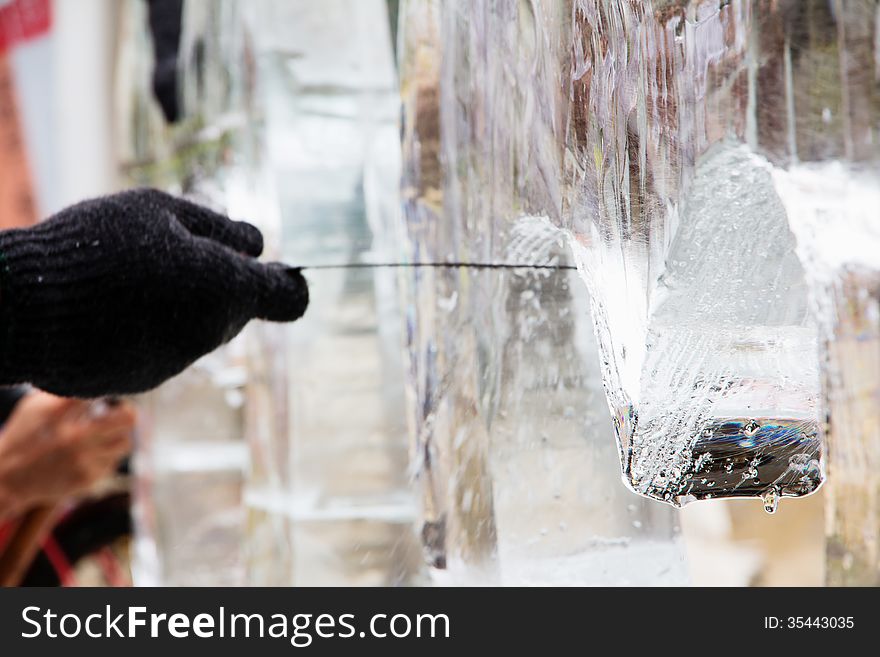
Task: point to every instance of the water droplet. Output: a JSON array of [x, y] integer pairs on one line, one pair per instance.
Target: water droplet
[[771, 500], [637, 524]]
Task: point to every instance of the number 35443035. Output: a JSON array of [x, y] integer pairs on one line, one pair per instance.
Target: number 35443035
[[809, 622]]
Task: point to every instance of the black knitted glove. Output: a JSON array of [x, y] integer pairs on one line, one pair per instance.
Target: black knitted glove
[[115, 295]]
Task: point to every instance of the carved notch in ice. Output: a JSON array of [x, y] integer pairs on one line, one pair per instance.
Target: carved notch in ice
[[708, 351], [721, 378]]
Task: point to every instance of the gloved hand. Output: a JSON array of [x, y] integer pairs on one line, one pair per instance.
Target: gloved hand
[[117, 294]]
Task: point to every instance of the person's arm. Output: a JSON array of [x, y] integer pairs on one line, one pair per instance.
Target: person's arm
[[52, 448], [117, 294], [9, 507]]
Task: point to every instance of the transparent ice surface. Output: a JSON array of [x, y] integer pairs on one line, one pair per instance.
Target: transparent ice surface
[[757, 117], [830, 184], [834, 208], [852, 390], [333, 482], [290, 122], [513, 450], [192, 459], [190, 467], [651, 134]]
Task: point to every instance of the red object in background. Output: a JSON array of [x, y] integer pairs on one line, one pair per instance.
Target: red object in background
[[17, 206], [59, 561], [21, 20], [5, 532]]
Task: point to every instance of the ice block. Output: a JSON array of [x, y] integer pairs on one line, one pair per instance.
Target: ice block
[[513, 447]]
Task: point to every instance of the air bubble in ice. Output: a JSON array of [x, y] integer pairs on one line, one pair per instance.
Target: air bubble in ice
[[702, 460], [448, 304]]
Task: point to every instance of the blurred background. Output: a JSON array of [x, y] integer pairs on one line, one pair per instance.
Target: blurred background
[[414, 427]]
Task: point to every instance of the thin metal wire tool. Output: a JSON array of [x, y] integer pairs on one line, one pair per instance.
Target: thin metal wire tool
[[437, 265]]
